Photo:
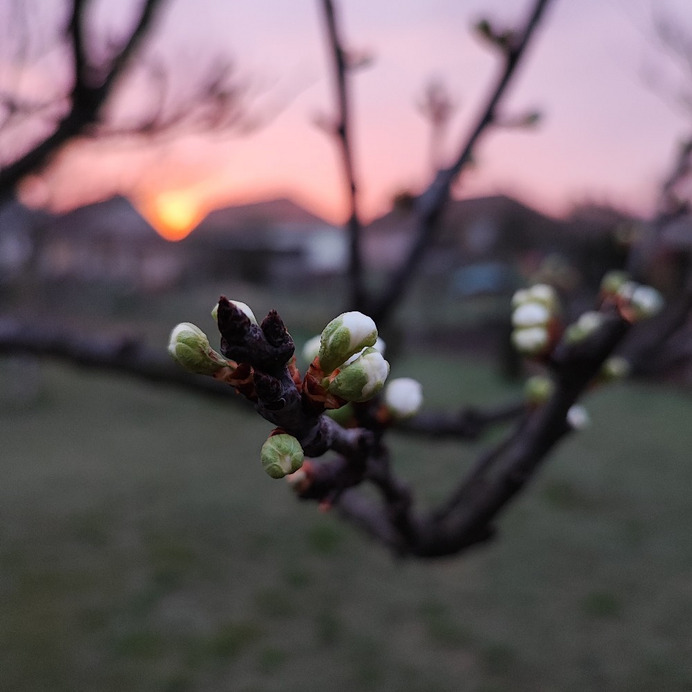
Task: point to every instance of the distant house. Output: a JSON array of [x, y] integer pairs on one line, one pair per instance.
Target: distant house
[[19, 227], [108, 242], [483, 242], [274, 240]]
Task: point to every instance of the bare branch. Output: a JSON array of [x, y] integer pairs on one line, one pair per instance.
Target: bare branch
[[87, 97], [125, 355], [342, 131], [429, 205]]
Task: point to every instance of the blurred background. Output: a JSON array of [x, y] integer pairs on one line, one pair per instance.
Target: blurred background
[[142, 547]]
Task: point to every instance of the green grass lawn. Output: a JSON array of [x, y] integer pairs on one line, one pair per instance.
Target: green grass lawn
[[142, 547]]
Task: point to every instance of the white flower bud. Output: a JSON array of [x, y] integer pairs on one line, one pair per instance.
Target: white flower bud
[[403, 397], [520, 296], [243, 307], [531, 341], [578, 417], [311, 348], [545, 294], [379, 345], [189, 346], [344, 336], [361, 379], [646, 302], [281, 455], [531, 314]]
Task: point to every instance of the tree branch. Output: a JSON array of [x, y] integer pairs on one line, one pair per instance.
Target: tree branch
[[467, 517], [430, 204], [87, 97], [124, 355], [342, 131]]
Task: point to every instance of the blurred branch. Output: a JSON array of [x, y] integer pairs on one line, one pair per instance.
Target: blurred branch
[[123, 355], [437, 107], [665, 342], [430, 204], [468, 516], [467, 423], [342, 64], [89, 93]]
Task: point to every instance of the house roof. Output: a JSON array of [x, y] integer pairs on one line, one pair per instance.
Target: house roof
[[269, 213], [116, 216]]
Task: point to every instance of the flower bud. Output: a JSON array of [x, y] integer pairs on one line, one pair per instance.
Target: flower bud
[[546, 295], [403, 396], [645, 302], [361, 379], [281, 454], [612, 281], [615, 368], [345, 336], [578, 417], [189, 345], [243, 307], [379, 345], [586, 325], [520, 296], [311, 348], [538, 389], [531, 341], [530, 314]]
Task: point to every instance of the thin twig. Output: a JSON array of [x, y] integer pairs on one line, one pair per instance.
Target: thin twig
[[342, 131], [86, 98], [430, 204]]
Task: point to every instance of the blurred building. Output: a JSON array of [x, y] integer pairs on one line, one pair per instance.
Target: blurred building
[[271, 242]]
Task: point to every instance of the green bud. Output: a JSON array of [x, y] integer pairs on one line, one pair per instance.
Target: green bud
[[612, 281], [361, 379], [586, 325], [538, 389], [281, 454], [345, 336], [615, 368], [189, 346], [343, 415]]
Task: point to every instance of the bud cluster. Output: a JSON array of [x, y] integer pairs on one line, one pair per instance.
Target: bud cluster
[[349, 358], [347, 365], [535, 320], [635, 301]]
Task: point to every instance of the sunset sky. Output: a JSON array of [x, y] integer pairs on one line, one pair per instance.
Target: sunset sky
[[607, 135]]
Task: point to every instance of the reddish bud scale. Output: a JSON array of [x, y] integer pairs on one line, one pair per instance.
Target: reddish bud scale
[[294, 372], [315, 392], [556, 329], [243, 381]]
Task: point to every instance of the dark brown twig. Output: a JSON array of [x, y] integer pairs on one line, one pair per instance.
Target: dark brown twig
[[342, 131], [429, 205], [90, 91]]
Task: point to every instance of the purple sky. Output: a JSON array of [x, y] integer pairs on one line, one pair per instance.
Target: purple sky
[[606, 136]]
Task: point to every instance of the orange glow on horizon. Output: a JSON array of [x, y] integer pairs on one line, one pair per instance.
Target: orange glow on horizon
[[173, 214]]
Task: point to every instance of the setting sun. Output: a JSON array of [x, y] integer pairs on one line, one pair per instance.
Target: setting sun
[[173, 214]]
